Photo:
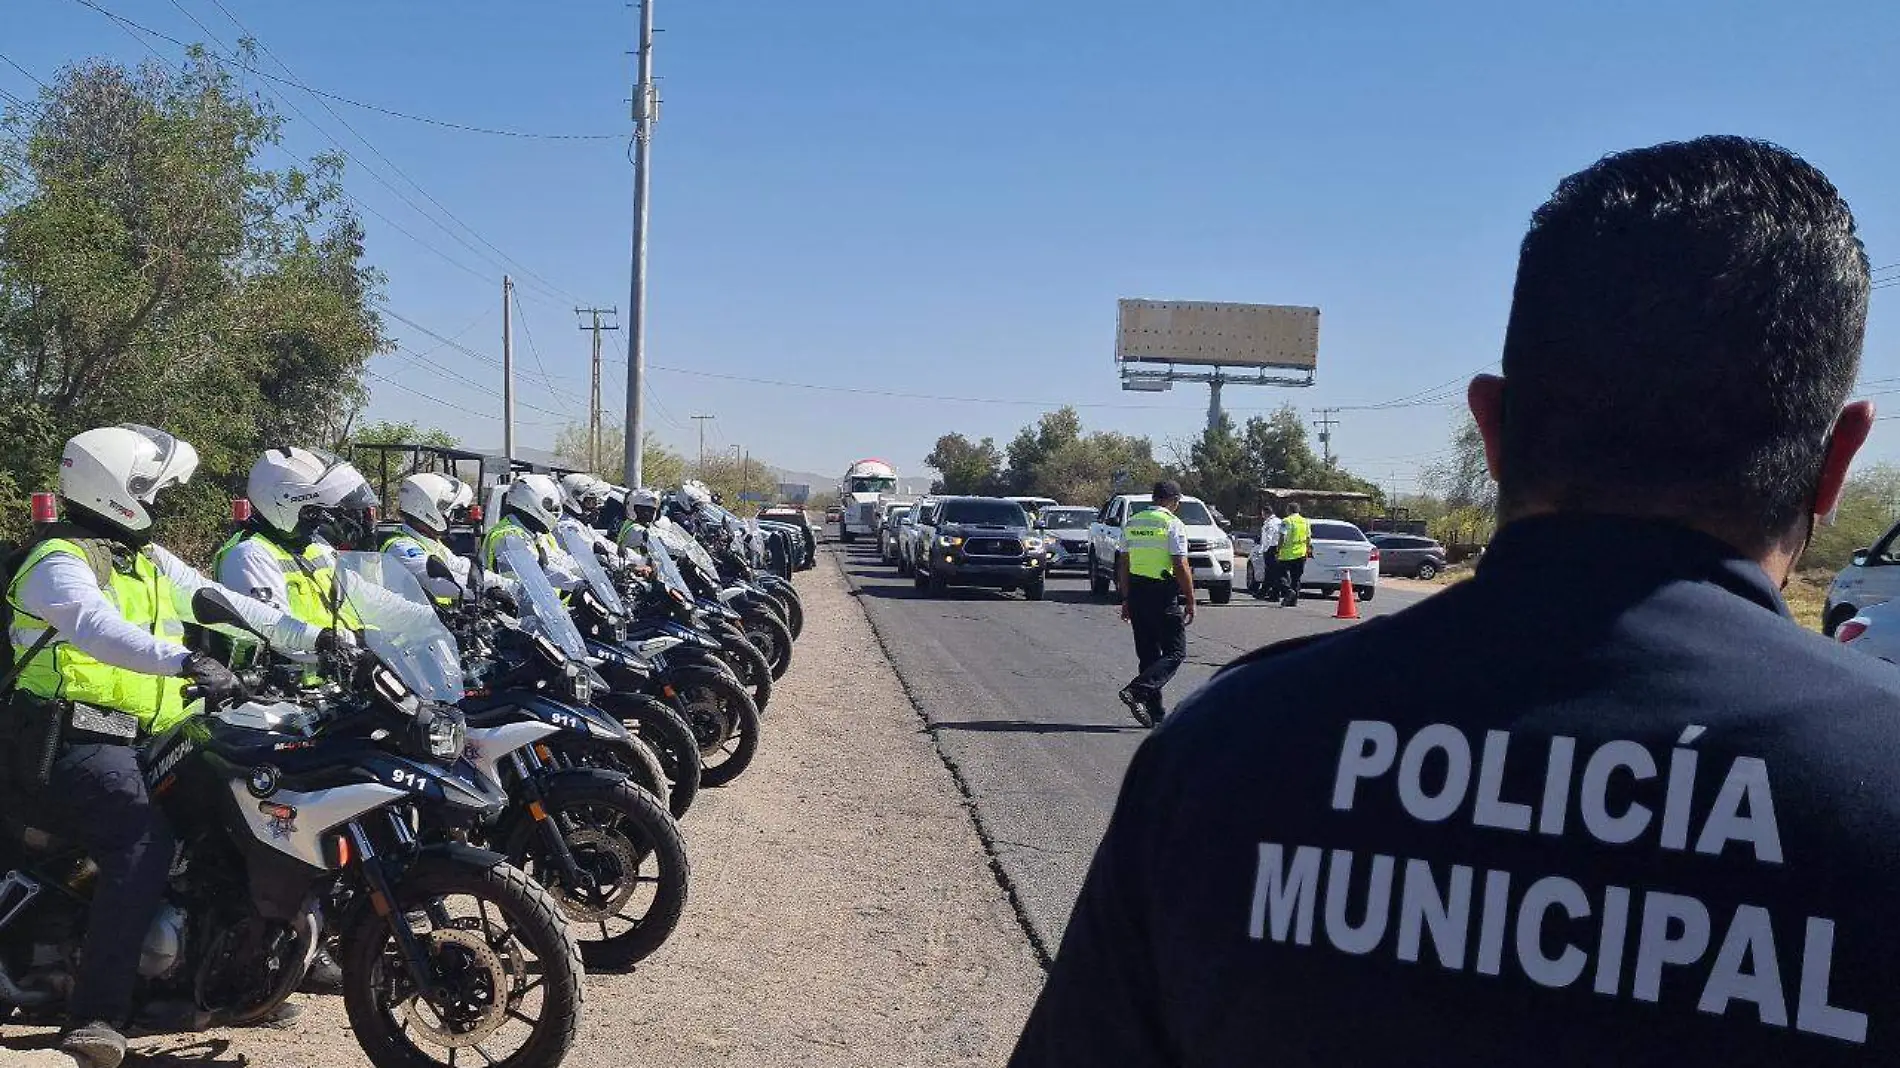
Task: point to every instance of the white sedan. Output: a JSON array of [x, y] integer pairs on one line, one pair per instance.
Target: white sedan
[[1339, 548]]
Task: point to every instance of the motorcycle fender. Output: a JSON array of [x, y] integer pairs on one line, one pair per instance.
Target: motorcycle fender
[[518, 823], [487, 747], [580, 719]]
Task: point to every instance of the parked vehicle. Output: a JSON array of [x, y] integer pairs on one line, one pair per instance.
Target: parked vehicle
[[834, 515], [1067, 530], [796, 517], [865, 483], [1409, 555], [889, 530], [1210, 550], [981, 541], [1871, 578]]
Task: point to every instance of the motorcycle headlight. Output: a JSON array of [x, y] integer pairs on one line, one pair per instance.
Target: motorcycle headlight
[[447, 735], [581, 686]]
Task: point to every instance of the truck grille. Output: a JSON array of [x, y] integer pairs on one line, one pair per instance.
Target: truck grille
[[867, 514], [1075, 546], [1197, 545], [992, 547]]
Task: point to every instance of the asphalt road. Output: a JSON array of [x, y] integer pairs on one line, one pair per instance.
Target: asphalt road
[[1021, 699]]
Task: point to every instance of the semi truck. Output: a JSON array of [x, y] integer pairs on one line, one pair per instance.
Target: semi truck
[[865, 486]]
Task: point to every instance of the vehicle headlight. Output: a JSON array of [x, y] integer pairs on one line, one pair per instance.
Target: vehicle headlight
[[948, 541], [1032, 544], [1221, 543]]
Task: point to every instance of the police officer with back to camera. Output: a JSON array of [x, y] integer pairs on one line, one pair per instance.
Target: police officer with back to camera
[[1157, 598], [1587, 808], [98, 620]]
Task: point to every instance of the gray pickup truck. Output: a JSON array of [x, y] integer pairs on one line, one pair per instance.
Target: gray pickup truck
[[980, 541]]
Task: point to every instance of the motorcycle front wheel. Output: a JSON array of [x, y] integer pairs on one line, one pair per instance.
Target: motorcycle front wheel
[[631, 857], [507, 972], [723, 719], [751, 665], [671, 739], [768, 632]]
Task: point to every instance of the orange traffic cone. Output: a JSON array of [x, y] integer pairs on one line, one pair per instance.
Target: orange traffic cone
[[1348, 602]]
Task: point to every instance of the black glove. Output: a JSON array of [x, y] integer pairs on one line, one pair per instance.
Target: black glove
[[210, 680], [333, 642], [504, 600]]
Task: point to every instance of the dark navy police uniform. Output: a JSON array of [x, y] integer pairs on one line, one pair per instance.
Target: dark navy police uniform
[[1603, 804]]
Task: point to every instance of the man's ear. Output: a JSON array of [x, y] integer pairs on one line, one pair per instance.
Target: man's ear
[[1485, 396], [1850, 433]]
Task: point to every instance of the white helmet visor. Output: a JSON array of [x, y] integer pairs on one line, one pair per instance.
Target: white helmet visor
[[173, 464]]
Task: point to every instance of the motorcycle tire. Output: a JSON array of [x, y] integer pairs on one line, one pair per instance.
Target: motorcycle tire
[[772, 637], [608, 822], [750, 665], [723, 718], [662, 728], [515, 916], [793, 604], [644, 768]]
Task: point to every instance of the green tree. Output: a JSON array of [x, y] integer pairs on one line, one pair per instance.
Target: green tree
[[1463, 478], [1220, 471], [660, 465], [1278, 455], [152, 271], [963, 467], [388, 433], [1870, 503], [1033, 445]]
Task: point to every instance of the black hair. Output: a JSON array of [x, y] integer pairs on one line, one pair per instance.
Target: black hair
[[1686, 325], [1166, 490]]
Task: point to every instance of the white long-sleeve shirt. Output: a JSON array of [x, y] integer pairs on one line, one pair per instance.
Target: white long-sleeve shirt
[[1270, 531], [563, 573], [252, 570], [63, 590], [415, 559]]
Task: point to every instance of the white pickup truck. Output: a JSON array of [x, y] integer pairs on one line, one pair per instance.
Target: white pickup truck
[[1210, 550]]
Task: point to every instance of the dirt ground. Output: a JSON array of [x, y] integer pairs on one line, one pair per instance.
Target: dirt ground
[[842, 912]]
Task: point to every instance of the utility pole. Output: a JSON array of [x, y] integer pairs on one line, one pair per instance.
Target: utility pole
[[646, 107], [508, 370], [745, 474], [701, 420], [1326, 423], [594, 459]]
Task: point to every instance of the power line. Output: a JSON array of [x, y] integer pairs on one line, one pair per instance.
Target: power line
[[447, 403], [266, 49], [4, 58], [446, 124], [536, 353]]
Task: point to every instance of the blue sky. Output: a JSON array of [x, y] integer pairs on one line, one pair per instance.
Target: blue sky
[[947, 198]]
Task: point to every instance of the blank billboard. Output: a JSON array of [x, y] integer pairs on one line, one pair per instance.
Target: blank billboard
[[1217, 334]]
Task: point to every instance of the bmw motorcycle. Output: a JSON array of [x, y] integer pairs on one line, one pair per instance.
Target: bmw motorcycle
[[296, 814]]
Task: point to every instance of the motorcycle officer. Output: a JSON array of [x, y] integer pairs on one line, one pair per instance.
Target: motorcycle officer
[[643, 510], [581, 498], [98, 618], [531, 507], [305, 505], [427, 501]]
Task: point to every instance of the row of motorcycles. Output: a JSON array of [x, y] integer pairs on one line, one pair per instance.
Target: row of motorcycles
[[467, 811]]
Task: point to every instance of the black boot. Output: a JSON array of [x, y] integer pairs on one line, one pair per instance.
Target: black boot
[[1137, 705], [324, 977], [94, 1045]]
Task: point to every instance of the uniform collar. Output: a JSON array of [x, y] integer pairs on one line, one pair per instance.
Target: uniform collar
[[1603, 551]]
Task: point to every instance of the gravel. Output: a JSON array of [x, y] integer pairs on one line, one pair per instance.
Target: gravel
[[842, 912]]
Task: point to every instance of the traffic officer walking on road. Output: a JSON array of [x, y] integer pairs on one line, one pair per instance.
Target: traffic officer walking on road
[[1296, 545], [1157, 598], [98, 622], [1588, 807]]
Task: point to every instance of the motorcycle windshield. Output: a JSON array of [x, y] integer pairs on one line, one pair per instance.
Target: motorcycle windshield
[[581, 548], [540, 605], [399, 624], [666, 567], [685, 546]]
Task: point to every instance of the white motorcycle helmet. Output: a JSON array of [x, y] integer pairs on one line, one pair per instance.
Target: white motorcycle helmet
[[113, 474], [643, 499], [579, 488], [428, 499], [535, 500], [295, 491]]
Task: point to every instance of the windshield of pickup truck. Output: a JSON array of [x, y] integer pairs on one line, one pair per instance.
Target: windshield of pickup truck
[[1193, 513], [984, 513], [1066, 518]]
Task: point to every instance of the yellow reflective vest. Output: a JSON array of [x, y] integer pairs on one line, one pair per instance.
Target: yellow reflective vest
[[1295, 538], [542, 544], [1145, 539], [309, 580], [145, 598]]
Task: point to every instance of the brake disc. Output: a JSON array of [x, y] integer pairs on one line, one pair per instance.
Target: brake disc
[[467, 1028], [595, 849]]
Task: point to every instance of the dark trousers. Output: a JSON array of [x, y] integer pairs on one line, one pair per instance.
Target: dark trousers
[[1270, 573], [96, 797], [1291, 572], [1154, 610]]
